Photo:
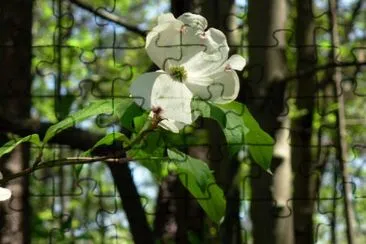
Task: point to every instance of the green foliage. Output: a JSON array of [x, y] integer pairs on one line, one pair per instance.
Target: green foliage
[[196, 176], [243, 129], [107, 76], [63, 106], [140, 121], [10, 145], [96, 108], [115, 107], [81, 43], [150, 152], [121, 106], [186, 137], [127, 120], [208, 110], [240, 128], [109, 140]]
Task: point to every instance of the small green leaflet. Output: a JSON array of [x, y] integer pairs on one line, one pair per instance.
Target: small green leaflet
[[140, 121], [196, 176], [208, 110], [63, 105], [121, 106], [113, 106], [260, 144], [108, 140], [10, 145], [127, 120]]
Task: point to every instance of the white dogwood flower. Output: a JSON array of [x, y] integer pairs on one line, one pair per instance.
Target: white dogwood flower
[[5, 194], [193, 62]]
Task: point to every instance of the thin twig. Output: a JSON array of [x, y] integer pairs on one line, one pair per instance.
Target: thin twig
[[104, 14], [64, 162]]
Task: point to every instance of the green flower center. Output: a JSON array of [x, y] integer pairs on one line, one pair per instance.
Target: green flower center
[[178, 73]]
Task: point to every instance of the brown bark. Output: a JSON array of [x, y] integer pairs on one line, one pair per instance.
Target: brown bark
[[265, 96], [15, 83], [131, 202], [301, 128]]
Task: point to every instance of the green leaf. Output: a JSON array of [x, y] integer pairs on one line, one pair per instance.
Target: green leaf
[[121, 106], [184, 138], [63, 106], [116, 107], [140, 121], [127, 120], [196, 176], [260, 144], [98, 107], [109, 140], [208, 110], [150, 153], [10, 145]]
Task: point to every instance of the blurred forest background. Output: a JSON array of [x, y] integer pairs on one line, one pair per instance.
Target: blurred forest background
[[305, 83]]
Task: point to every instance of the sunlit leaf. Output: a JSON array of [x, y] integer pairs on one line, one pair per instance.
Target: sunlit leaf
[[243, 129], [10, 145], [196, 176]]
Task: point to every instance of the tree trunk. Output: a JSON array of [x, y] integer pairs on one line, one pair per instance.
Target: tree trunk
[[342, 147], [15, 102], [301, 128], [131, 203], [265, 96]]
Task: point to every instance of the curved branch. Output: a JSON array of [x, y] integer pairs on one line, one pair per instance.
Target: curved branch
[[104, 14]]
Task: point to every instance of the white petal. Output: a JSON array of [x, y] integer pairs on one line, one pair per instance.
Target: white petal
[[173, 97], [194, 20], [220, 87], [173, 42], [5, 194], [215, 40], [164, 18], [141, 89], [163, 42], [236, 62], [212, 58], [203, 64], [173, 126]]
